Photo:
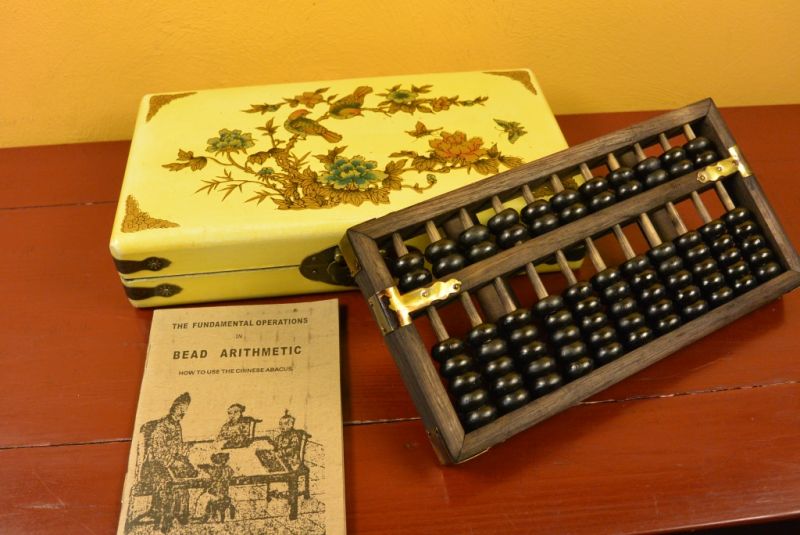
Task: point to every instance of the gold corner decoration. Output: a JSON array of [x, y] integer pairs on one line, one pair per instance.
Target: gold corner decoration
[[739, 161], [522, 77], [159, 101], [137, 220], [393, 309]]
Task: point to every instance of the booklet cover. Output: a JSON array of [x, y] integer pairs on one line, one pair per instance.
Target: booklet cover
[[239, 424]]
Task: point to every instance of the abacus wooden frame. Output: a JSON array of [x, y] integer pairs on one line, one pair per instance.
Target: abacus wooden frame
[[360, 246]]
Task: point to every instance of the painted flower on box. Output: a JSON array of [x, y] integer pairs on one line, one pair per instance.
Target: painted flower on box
[[283, 173]]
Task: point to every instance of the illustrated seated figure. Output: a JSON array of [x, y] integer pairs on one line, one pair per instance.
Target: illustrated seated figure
[[220, 475], [165, 460], [289, 442], [238, 430]]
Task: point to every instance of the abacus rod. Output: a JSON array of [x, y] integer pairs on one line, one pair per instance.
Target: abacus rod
[[649, 230], [432, 231], [663, 141], [437, 324], [505, 295], [466, 220], [613, 163], [676, 218], [594, 255], [556, 184], [527, 194], [399, 245], [497, 204], [701, 208], [472, 312], [688, 132], [640, 155], [627, 250], [536, 281], [564, 266]]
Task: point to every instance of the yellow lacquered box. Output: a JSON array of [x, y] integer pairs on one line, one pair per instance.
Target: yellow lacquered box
[[244, 192]]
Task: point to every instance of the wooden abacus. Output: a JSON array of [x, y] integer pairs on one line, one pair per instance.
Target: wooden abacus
[[518, 364]]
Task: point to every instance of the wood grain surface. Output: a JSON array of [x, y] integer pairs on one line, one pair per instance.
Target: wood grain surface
[[709, 436]]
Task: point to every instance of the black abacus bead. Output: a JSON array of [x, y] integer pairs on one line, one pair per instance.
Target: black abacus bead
[[544, 224], [697, 253], [689, 240], [482, 333], [695, 309], [687, 295], [670, 266], [753, 243], [644, 279], [656, 178], [680, 168], [494, 348], [713, 230], [535, 210], [579, 368], [472, 400], [456, 365], [566, 335], [408, 262], [448, 264], [629, 189], [606, 278], [768, 271], [513, 400], [540, 366], [723, 243], [671, 156], [440, 249], [479, 417], [638, 337], [511, 236], [546, 384], [507, 383], [499, 366], [744, 284], [578, 292], [620, 176], [548, 305], [609, 352], [659, 309], [523, 335], [736, 216], [635, 265], [743, 230], [503, 220], [654, 292], [697, 145], [704, 158], [729, 257], [602, 200], [531, 351], [481, 251], [558, 320], [679, 279], [760, 257], [623, 308], [720, 297], [632, 322], [414, 279], [587, 307], [661, 252], [668, 323], [474, 235], [593, 186], [647, 166], [466, 382], [573, 351], [712, 282], [594, 321], [573, 212], [447, 348], [616, 292], [514, 319], [707, 266], [603, 336], [564, 199], [737, 270]]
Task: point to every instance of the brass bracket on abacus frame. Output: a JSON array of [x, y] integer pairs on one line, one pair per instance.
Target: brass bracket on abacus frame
[[393, 310], [726, 167]]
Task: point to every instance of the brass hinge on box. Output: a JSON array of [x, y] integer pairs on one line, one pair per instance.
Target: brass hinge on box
[[726, 167], [393, 309]]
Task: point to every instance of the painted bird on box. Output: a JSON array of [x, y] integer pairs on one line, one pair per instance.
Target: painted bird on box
[[297, 123], [349, 105]]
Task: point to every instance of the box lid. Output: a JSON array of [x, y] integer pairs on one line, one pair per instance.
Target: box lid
[[256, 177]]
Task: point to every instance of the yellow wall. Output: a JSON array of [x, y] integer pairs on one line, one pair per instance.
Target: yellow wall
[[75, 70]]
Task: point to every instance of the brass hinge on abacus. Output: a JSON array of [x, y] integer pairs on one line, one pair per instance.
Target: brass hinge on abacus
[[393, 309], [726, 167]]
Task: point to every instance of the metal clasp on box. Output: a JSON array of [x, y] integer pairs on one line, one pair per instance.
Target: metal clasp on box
[[726, 167], [393, 309]]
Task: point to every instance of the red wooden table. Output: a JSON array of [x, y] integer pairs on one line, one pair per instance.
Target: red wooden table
[[709, 436]]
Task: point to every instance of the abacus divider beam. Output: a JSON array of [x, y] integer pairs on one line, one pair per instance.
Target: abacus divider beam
[[701, 207], [565, 269], [399, 245], [536, 281], [627, 250], [676, 218], [649, 230], [437, 324], [594, 255]]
